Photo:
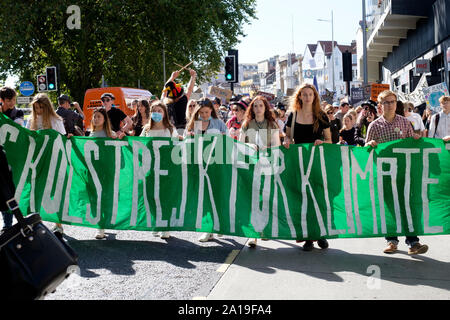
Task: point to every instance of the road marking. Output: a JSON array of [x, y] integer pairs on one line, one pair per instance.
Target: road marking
[[229, 260], [199, 298]]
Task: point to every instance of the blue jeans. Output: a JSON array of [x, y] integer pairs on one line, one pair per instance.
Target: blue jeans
[[410, 240], [7, 219]]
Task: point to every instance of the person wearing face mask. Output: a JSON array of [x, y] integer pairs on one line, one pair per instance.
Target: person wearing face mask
[[159, 126], [204, 120]]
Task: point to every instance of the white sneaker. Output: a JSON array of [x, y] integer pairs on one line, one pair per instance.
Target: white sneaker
[[206, 237], [57, 228], [155, 233], [252, 243], [219, 235], [101, 234], [165, 235]]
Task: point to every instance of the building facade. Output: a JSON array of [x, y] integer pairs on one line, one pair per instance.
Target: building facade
[[407, 39]]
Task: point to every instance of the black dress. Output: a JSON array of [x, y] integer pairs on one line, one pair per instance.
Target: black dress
[[304, 133]]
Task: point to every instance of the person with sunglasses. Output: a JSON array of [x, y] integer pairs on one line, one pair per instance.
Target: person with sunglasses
[[335, 124], [238, 109], [190, 109], [116, 116]]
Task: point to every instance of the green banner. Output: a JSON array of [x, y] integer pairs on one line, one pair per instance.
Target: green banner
[[215, 184]]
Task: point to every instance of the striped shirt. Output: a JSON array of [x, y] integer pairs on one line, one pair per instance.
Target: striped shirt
[[382, 130]]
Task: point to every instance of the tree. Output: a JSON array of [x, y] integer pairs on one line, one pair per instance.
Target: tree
[[121, 40]]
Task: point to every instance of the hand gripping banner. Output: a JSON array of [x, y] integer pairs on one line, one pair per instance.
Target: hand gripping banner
[[215, 184]]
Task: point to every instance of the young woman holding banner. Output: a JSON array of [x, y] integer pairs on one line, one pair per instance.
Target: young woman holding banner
[[307, 123], [159, 126], [101, 128], [43, 116], [260, 130], [204, 120]]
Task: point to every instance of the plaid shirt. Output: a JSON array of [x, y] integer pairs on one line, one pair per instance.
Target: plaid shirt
[[381, 130]]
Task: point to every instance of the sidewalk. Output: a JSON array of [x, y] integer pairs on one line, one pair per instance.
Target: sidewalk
[[348, 269]]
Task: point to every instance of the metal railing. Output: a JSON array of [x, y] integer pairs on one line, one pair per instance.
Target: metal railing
[[375, 10]]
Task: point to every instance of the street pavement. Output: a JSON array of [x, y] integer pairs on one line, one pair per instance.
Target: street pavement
[[348, 269], [132, 265]]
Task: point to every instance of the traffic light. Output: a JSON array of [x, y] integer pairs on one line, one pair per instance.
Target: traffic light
[[52, 81], [230, 69], [347, 66], [41, 82]]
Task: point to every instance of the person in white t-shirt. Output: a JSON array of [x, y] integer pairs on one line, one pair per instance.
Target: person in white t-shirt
[[43, 116], [415, 119], [159, 126]]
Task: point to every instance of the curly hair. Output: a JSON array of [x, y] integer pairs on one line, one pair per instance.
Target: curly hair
[[250, 114]]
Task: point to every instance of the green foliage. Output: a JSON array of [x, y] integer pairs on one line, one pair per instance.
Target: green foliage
[[121, 40]]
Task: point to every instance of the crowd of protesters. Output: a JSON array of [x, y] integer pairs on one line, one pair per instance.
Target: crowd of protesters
[[255, 122]]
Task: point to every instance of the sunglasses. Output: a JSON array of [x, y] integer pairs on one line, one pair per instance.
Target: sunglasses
[[106, 100], [330, 112]]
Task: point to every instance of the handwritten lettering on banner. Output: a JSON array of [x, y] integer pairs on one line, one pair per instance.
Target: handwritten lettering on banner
[[214, 184]]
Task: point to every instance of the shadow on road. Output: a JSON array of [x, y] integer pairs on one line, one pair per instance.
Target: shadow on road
[[118, 256], [326, 264]]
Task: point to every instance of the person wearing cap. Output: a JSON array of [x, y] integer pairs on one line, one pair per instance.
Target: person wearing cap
[[238, 109], [281, 108], [116, 116], [70, 118], [365, 118]]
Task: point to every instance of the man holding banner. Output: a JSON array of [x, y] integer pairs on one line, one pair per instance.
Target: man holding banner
[[389, 127]]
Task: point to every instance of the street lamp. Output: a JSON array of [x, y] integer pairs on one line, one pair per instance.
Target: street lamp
[[332, 46]]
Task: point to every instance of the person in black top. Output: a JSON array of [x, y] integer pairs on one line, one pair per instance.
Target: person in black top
[[116, 116], [335, 124], [8, 101], [366, 117], [347, 133], [70, 118], [141, 117], [307, 123], [176, 98]]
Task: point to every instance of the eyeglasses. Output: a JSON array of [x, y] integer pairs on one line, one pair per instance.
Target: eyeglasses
[[330, 112], [106, 100], [387, 103]]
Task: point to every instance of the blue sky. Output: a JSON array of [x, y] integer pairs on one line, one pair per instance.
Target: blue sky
[[271, 34]]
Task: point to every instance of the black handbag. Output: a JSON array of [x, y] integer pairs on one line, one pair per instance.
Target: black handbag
[[33, 260]]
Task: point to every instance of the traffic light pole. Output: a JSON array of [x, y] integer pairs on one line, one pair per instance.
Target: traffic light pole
[[232, 88], [59, 81]]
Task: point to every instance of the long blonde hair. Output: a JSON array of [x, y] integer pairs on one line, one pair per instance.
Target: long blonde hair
[[296, 104], [48, 112]]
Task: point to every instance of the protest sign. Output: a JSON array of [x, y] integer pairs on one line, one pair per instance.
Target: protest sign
[[433, 93], [376, 89], [215, 184]]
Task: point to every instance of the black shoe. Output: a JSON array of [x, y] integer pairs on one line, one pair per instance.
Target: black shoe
[[323, 243], [308, 246]]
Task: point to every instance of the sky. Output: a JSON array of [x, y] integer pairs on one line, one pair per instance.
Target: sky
[[278, 20]]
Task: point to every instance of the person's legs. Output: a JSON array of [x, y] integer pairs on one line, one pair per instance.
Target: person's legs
[[414, 245], [392, 243]]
